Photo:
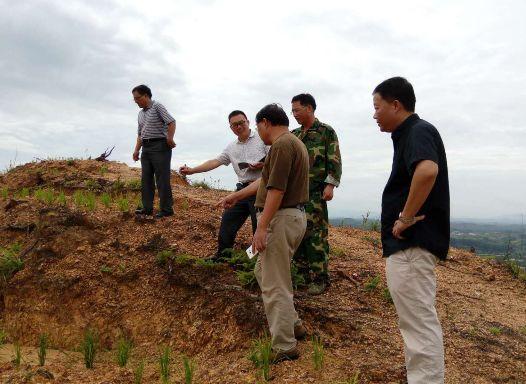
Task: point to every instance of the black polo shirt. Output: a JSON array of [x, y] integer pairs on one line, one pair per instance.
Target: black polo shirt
[[416, 140]]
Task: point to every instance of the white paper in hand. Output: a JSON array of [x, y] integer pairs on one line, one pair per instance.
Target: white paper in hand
[[251, 254]]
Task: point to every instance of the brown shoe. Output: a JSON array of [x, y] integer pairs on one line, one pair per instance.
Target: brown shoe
[[278, 357], [300, 332]]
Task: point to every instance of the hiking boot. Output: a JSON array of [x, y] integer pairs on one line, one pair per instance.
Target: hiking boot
[[317, 288], [279, 356], [300, 332], [142, 211], [160, 215]]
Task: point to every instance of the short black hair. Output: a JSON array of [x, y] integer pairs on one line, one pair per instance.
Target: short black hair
[[274, 114], [305, 99], [235, 113], [397, 88], [143, 90]]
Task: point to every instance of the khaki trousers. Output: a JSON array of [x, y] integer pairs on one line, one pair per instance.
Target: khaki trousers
[[412, 282], [272, 271]]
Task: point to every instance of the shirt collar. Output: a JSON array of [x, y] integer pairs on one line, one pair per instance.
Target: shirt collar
[[314, 126], [150, 104], [409, 121], [250, 135]]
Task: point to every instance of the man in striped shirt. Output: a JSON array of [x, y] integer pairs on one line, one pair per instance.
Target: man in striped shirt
[[156, 129]]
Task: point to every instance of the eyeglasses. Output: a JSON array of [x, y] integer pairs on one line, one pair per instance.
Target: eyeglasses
[[296, 110], [238, 124]]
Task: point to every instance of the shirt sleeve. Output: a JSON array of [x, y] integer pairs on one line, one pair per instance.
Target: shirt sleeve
[[138, 127], [224, 158], [334, 159], [280, 166], [163, 113], [421, 145]]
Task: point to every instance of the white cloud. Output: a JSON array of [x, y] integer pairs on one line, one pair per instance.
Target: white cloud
[[68, 68]]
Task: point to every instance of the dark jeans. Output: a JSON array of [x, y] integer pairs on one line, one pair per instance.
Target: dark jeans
[[155, 162], [233, 219]]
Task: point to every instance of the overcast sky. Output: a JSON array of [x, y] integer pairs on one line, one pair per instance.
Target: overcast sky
[[67, 69]]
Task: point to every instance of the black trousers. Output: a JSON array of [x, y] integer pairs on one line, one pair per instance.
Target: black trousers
[[155, 162], [233, 219]]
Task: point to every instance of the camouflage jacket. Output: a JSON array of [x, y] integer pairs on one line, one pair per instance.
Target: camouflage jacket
[[324, 154]]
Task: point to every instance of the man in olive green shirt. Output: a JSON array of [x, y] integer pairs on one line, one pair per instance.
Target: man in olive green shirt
[[282, 192]]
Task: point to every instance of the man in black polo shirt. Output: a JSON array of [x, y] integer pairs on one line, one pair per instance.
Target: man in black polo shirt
[[415, 226]]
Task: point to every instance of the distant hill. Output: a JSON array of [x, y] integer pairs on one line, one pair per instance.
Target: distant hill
[[495, 239]]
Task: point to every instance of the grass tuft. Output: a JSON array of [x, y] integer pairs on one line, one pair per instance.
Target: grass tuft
[[138, 373], [335, 251], [201, 184], [164, 365], [118, 186], [61, 198], [371, 284], [124, 347], [17, 357], [89, 347], [516, 270], [496, 331], [135, 184], [43, 343], [105, 199], [353, 379], [260, 356], [318, 355], [184, 259], [123, 203], [4, 193], [189, 370], [23, 193], [387, 295], [163, 257], [3, 337], [85, 200], [10, 263]]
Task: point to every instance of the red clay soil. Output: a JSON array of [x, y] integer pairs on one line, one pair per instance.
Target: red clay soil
[[98, 269]]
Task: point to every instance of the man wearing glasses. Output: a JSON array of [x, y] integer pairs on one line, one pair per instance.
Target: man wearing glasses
[[246, 154], [156, 129], [312, 257]]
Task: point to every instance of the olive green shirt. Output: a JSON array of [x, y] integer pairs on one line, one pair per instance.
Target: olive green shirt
[[286, 169]]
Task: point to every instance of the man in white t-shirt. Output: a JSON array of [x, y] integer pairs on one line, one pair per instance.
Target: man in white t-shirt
[[246, 154]]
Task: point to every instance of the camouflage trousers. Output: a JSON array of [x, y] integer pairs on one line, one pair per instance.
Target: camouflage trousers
[[312, 256]]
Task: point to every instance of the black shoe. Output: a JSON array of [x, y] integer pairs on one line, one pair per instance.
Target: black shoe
[[160, 215], [142, 211]]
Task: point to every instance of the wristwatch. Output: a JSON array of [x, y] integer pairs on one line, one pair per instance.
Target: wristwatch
[[406, 220]]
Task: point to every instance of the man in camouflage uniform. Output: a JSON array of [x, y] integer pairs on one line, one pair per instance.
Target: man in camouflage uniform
[[312, 257]]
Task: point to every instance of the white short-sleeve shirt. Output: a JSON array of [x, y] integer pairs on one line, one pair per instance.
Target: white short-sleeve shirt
[[251, 151]]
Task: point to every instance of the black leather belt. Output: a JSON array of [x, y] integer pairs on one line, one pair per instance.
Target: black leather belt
[[153, 139], [301, 207]]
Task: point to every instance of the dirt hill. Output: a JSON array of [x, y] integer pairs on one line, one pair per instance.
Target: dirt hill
[[74, 259]]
